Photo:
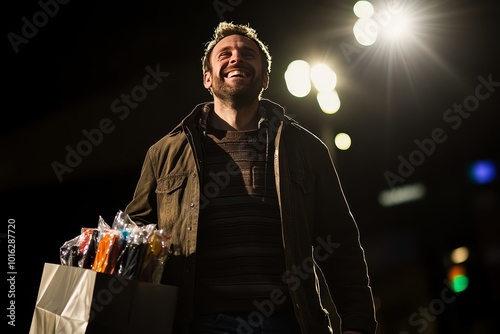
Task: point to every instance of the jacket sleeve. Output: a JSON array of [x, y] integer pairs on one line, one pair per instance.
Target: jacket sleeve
[[345, 270], [143, 208]]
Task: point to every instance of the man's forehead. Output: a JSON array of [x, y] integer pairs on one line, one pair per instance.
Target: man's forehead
[[236, 39]]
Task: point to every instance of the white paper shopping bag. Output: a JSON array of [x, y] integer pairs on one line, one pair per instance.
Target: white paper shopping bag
[[64, 300]]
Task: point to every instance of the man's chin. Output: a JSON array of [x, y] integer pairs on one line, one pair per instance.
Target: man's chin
[[238, 97]]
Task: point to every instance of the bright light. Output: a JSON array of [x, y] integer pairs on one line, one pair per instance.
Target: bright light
[[297, 78], [392, 20], [329, 101], [457, 276], [419, 26], [343, 141], [363, 9], [398, 26], [460, 255], [403, 194], [323, 78], [366, 31], [482, 171]]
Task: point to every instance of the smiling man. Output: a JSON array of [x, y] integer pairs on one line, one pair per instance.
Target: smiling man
[[254, 208], [236, 73]]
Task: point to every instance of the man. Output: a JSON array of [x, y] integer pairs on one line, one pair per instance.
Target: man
[[254, 208]]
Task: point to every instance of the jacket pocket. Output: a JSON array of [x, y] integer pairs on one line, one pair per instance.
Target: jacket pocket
[[170, 183], [170, 192]]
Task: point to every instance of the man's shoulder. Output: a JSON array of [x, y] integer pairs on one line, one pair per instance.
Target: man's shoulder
[[303, 135], [177, 132], [291, 125]]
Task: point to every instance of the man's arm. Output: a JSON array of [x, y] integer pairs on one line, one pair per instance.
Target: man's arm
[[142, 208], [345, 270]]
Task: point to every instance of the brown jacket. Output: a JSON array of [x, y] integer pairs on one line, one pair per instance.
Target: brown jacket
[[318, 228]]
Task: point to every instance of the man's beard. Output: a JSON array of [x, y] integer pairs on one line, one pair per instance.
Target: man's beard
[[239, 95]]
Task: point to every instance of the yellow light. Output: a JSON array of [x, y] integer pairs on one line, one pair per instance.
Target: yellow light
[[342, 141], [366, 31], [460, 255], [297, 78], [329, 102], [323, 78], [363, 9]]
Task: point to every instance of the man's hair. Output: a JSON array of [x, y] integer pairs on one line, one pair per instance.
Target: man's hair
[[225, 29]]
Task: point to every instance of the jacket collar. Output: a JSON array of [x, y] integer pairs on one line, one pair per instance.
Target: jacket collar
[[197, 118]]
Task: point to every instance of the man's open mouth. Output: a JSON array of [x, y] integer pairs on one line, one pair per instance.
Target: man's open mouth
[[237, 74]]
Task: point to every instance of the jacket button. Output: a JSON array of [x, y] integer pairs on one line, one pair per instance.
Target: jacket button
[[192, 204], [189, 228]]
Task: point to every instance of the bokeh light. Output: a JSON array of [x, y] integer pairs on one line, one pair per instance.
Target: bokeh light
[[363, 9], [323, 78], [482, 171], [329, 101], [297, 78], [459, 255], [366, 31], [343, 141]]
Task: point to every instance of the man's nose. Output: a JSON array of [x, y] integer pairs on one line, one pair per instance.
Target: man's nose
[[235, 57]]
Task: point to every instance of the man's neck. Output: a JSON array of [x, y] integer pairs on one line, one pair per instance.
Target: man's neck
[[228, 117]]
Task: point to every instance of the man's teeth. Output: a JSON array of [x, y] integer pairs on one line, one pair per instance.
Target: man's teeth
[[236, 73]]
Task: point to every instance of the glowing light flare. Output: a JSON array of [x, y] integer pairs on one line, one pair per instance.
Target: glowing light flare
[[460, 283], [366, 31], [363, 9], [398, 26], [459, 255], [323, 78], [482, 171], [393, 20], [343, 141], [457, 277], [403, 194], [297, 78], [328, 101]]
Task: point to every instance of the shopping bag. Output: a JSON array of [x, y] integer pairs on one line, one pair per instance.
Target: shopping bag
[[73, 300]]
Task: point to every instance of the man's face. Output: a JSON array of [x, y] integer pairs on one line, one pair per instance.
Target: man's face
[[237, 73]]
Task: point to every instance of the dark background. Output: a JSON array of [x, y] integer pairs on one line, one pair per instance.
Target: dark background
[[63, 80]]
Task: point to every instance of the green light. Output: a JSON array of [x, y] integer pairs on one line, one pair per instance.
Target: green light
[[460, 283]]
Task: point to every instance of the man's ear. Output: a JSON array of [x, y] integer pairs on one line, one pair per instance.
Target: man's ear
[[265, 81], [207, 80]]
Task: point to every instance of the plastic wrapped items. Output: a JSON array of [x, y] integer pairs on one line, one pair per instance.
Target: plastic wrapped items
[[154, 259], [125, 249], [88, 247], [109, 248], [69, 252], [132, 256]]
